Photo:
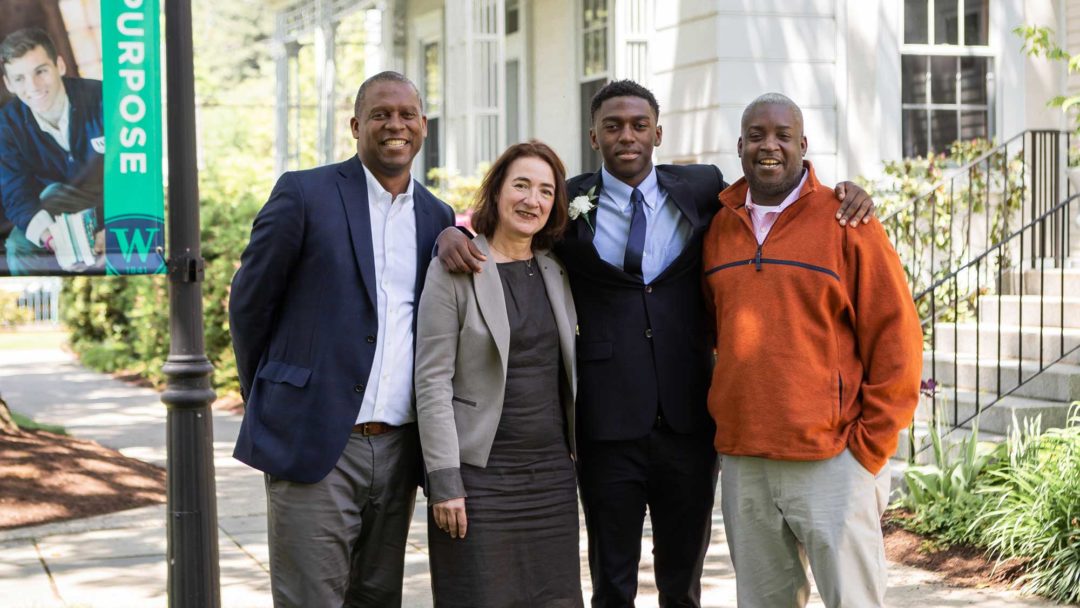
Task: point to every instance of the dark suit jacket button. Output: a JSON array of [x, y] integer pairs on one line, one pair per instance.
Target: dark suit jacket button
[[648, 333], [370, 339], [358, 388], [648, 289]]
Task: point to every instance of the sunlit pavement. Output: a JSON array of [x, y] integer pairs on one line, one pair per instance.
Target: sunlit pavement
[[118, 560]]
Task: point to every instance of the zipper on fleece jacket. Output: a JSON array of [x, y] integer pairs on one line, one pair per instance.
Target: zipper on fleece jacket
[[757, 260]]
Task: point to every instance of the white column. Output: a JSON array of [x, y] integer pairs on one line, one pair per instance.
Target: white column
[[476, 82], [281, 97], [632, 21], [375, 54], [325, 79]]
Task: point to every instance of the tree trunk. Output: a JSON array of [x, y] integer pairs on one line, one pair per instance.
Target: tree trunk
[[7, 424]]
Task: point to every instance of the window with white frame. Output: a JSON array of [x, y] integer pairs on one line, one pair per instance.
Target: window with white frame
[[431, 85], [947, 74], [594, 23]]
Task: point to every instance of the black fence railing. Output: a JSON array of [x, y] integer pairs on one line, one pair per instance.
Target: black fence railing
[[1020, 322], [979, 203], [40, 303], [985, 251]]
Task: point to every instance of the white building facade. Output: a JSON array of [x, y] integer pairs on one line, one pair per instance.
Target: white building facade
[[877, 79]]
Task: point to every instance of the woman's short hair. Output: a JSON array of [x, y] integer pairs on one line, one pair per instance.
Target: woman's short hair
[[486, 209]]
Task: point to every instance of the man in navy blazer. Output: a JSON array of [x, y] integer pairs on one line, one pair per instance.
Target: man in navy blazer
[[52, 134], [644, 355], [322, 314]]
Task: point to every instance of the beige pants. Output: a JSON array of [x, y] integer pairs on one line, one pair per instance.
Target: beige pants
[[778, 515]]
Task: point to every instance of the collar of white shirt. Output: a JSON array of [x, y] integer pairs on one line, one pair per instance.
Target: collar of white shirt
[[620, 191], [376, 190], [788, 201], [60, 132]]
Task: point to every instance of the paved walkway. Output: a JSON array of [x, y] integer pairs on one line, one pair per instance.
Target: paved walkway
[[117, 560]]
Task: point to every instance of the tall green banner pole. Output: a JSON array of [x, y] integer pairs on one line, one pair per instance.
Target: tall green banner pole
[[192, 551]]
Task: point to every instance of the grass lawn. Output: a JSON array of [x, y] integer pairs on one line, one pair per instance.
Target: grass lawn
[[32, 339], [27, 424]]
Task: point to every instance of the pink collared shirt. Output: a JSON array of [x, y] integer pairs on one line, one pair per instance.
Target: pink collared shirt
[[763, 217]]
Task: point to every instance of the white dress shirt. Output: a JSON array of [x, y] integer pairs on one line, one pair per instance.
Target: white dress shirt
[[388, 397], [60, 131]]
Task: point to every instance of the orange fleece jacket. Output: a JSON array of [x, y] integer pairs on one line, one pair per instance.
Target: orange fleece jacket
[[819, 345]]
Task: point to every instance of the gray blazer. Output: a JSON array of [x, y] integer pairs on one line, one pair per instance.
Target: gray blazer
[[462, 344]]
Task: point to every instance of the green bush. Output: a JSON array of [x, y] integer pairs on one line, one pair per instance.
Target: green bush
[[11, 315], [942, 496], [1020, 500], [458, 191], [1031, 508]]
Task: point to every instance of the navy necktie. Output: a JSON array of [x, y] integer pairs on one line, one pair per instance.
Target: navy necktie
[[635, 245]]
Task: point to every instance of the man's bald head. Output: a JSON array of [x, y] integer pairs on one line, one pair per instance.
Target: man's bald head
[[771, 99]]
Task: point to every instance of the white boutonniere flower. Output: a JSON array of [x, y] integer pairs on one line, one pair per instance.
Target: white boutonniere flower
[[582, 205]]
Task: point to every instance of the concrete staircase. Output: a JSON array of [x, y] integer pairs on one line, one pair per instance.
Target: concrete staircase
[[1034, 321]]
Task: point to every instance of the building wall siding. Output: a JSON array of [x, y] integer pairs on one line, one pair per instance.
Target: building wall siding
[[1072, 40], [554, 82], [709, 59]]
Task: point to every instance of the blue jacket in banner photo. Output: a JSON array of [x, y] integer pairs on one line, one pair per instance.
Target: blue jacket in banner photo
[[30, 159]]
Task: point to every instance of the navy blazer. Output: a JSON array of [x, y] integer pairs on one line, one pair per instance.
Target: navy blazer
[[303, 316], [30, 159], [643, 349]]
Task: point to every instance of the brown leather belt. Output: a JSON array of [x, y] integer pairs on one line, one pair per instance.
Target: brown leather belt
[[368, 429]]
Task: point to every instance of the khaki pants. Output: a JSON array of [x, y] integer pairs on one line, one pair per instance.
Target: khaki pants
[[779, 515]]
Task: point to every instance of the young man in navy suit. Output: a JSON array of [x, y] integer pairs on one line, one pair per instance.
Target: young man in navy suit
[[644, 359], [52, 134], [323, 318]]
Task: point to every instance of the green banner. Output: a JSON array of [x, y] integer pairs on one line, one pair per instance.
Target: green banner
[[81, 188], [131, 97]]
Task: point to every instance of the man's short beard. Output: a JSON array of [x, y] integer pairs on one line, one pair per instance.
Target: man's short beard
[[773, 189]]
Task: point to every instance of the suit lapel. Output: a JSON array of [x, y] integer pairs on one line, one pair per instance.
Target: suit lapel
[[426, 232], [352, 186], [678, 192], [558, 297], [492, 301]]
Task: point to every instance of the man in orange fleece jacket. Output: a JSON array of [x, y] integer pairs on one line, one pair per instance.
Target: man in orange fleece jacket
[[820, 358]]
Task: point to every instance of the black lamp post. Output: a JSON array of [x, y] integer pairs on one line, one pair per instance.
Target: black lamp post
[[192, 552]]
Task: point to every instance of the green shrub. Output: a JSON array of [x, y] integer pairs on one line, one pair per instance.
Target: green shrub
[[1031, 508], [27, 423], [456, 190], [942, 496], [11, 315]]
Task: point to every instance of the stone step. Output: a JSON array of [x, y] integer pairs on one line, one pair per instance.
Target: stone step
[[1044, 281], [958, 405], [1015, 342], [949, 439], [1058, 382], [1030, 310]]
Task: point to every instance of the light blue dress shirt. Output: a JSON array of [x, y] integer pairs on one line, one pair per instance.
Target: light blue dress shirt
[[667, 231]]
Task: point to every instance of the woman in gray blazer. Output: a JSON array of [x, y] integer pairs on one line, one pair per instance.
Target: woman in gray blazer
[[495, 382]]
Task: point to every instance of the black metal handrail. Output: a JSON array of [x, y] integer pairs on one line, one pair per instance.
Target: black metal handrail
[[991, 282], [978, 203], [968, 264]]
